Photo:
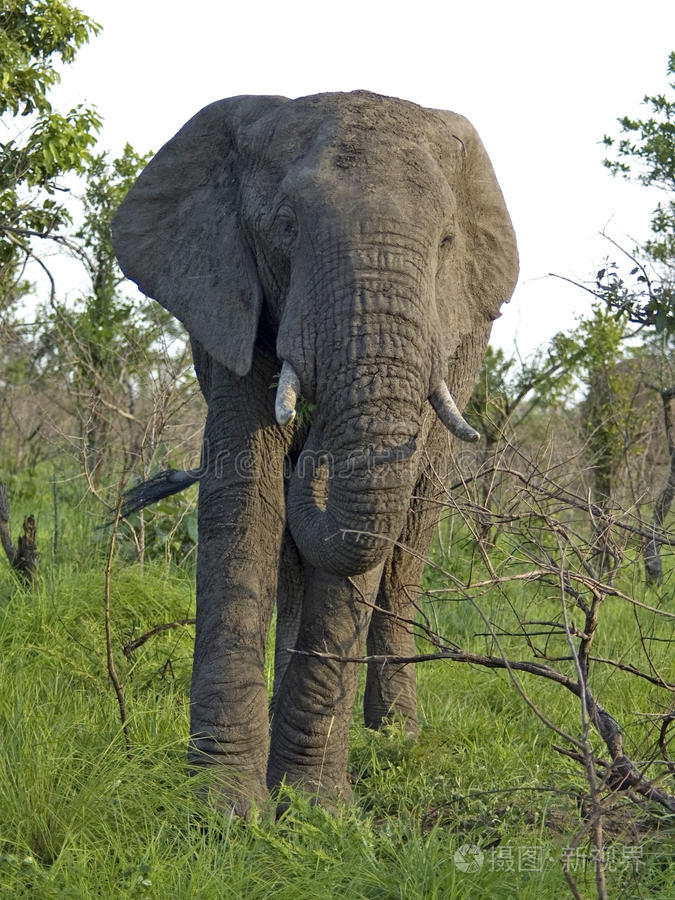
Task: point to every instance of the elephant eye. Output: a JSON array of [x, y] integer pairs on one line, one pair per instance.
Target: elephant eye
[[447, 242], [285, 226]]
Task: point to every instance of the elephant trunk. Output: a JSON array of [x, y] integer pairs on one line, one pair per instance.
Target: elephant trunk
[[345, 511], [349, 494], [373, 376]]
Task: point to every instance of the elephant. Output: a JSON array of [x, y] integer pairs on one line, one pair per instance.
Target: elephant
[[343, 256]]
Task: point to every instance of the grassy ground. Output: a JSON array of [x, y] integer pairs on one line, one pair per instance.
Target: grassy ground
[[480, 807]]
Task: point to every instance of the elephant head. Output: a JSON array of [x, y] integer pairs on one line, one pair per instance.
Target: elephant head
[[369, 239]]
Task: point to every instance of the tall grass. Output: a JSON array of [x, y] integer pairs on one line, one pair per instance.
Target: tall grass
[[79, 817]]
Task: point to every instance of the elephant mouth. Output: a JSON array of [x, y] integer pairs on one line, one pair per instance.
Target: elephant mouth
[[344, 512], [347, 507], [440, 398]]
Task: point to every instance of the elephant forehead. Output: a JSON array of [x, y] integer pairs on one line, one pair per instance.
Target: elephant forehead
[[352, 137], [361, 180], [359, 110]]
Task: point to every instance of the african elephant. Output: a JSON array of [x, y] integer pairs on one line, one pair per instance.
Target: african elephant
[[361, 245]]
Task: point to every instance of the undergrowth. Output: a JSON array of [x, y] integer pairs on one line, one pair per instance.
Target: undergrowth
[[480, 806]]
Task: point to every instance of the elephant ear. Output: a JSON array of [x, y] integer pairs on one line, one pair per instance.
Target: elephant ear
[[178, 234], [483, 268]]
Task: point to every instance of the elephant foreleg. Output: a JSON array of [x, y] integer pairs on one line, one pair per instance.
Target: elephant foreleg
[[241, 522], [390, 687], [310, 727], [289, 611]]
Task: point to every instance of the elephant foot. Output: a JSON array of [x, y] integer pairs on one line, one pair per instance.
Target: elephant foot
[[384, 705], [231, 801], [227, 787], [317, 769], [317, 793], [381, 716]]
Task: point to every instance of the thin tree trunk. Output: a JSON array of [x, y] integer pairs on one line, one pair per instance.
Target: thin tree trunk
[[652, 549]]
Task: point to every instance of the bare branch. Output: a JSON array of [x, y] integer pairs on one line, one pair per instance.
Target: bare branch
[[129, 648]]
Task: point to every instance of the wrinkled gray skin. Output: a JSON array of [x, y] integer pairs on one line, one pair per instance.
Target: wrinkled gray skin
[[365, 241]]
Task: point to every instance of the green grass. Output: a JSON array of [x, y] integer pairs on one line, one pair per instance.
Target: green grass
[[79, 818]]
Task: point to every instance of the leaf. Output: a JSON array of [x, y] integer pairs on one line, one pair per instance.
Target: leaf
[[191, 528]]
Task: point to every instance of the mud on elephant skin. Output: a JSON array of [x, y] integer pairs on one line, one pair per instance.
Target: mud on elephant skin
[[360, 245]]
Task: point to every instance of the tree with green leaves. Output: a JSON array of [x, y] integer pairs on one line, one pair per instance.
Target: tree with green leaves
[[506, 392], [44, 145], [115, 354], [591, 361], [109, 348], [645, 153]]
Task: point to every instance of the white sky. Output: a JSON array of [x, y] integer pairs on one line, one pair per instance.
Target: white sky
[[542, 82]]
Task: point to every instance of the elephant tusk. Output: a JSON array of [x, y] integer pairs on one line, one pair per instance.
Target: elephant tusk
[[287, 395], [447, 411]]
